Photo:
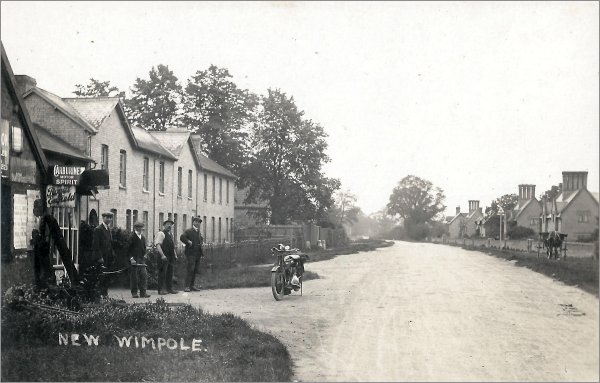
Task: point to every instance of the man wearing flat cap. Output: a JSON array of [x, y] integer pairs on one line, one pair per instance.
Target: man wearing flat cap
[[192, 240], [165, 246], [102, 250], [138, 276]]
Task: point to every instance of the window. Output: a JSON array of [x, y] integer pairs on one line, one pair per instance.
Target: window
[[135, 216], [123, 169], [231, 230], [89, 145], [161, 219], [17, 139], [184, 222], [146, 173], [227, 229], [204, 223], [104, 157], [179, 181], [227, 192], [220, 230], [190, 176], [145, 220], [114, 213], [161, 182], [212, 229], [533, 221], [205, 188], [128, 224], [220, 191], [583, 216], [213, 189]]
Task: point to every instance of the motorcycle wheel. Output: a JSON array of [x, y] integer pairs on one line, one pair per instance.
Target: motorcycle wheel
[[277, 283]]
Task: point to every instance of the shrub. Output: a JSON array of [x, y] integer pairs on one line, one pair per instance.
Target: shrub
[[520, 232]]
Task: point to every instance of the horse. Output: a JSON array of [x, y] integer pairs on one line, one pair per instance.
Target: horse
[[553, 244]]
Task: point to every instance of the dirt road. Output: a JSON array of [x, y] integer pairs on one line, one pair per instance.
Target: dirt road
[[424, 312]]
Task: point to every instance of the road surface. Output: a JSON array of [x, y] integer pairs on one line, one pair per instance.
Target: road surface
[[424, 312]]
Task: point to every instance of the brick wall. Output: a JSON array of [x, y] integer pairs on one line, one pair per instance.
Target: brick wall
[[44, 114]]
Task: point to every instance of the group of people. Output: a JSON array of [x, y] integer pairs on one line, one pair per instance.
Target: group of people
[[166, 255]]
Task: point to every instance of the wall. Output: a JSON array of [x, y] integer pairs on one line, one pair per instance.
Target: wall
[[569, 218]]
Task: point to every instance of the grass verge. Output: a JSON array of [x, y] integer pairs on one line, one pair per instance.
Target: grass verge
[[260, 275], [230, 349], [573, 271]]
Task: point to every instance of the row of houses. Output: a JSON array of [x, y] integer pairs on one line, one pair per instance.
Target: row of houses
[[83, 157], [573, 212]]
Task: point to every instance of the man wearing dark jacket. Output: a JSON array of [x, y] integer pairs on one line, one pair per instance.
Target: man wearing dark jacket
[[193, 252], [165, 246], [137, 253], [102, 250]]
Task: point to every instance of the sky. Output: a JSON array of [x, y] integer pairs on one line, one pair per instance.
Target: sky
[[475, 97]]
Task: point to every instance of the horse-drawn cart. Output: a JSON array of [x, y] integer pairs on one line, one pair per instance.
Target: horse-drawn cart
[[553, 244]]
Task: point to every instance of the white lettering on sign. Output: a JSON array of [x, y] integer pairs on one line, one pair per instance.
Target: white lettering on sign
[[140, 342], [60, 196]]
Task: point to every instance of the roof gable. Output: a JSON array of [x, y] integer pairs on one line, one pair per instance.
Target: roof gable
[[205, 162], [94, 110], [61, 106], [8, 78], [51, 143], [148, 142]]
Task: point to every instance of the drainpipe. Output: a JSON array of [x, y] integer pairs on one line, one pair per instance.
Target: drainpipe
[[154, 199]]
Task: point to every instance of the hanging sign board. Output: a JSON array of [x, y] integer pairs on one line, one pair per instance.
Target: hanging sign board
[[4, 147], [60, 196], [66, 175]]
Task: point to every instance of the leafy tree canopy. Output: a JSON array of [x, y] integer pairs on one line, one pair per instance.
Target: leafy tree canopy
[[97, 88], [222, 115], [285, 169], [507, 202], [416, 200], [552, 193], [155, 103]]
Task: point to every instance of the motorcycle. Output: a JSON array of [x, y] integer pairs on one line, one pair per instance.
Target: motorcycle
[[286, 274]]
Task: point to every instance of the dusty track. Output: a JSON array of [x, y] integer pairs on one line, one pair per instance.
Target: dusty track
[[424, 312]]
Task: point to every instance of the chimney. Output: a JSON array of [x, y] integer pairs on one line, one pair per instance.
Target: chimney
[[457, 210], [473, 205], [521, 194], [574, 180], [24, 83]]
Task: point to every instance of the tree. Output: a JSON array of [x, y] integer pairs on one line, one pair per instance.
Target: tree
[[288, 153], [155, 103], [222, 115], [416, 200], [552, 193], [344, 210], [507, 202], [97, 88]]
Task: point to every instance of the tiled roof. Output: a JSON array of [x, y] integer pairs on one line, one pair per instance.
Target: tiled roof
[[206, 162], [172, 139], [54, 144], [146, 141], [94, 110], [457, 216], [63, 106]]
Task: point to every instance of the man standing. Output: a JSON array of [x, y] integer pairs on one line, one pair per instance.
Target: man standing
[[193, 252], [137, 253], [165, 246], [102, 250]]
